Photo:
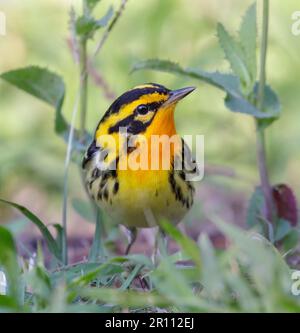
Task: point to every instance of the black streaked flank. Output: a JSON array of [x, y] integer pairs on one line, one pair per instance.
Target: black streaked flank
[[92, 150], [105, 194], [186, 200], [107, 176], [116, 187]]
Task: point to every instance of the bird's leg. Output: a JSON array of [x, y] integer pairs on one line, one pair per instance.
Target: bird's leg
[[132, 234], [160, 246]]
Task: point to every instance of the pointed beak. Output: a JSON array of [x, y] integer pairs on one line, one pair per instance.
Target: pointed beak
[[177, 95]]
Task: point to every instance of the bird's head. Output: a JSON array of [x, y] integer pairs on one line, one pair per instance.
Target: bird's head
[[146, 109]]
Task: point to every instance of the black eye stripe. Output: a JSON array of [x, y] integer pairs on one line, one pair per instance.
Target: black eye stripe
[[135, 126], [155, 105], [122, 123]]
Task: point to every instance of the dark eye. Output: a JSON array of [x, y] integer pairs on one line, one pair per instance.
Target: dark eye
[[142, 109]]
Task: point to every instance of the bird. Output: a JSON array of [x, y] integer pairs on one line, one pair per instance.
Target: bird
[[134, 194]]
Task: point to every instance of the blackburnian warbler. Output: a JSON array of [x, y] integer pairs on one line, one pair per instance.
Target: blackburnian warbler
[[129, 174]]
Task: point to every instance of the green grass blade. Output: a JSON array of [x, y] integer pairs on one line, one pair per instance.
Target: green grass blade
[[50, 241], [131, 277], [189, 247], [9, 262]]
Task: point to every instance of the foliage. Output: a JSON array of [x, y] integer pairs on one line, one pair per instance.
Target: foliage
[[250, 276]]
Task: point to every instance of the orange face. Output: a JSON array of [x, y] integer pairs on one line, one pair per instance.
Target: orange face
[[146, 113]]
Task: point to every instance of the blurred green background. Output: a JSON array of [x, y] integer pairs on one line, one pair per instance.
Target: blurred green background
[[32, 156]]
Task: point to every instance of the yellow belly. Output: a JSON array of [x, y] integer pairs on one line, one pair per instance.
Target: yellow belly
[[143, 199]]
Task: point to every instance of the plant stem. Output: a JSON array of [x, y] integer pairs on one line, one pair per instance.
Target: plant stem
[[264, 176], [83, 86], [260, 140], [65, 186]]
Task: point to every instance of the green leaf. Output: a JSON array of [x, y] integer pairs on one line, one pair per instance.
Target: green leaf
[[188, 245], [9, 262], [228, 83], [247, 36], [283, 227], [236, 103], [140, 259], [173, 285], [52, 245], [235, 55], [291, 240], [86, 25], [211, 279], [133, 274], [69, 273], [106, 18], [8, 304], [43, 84], [92, 4], [104, 270], [40, 283], [269, 113], [255, 209], [128, 298], [271, 107], [160, 65], [84, 209], [59, 237], [257, 247]]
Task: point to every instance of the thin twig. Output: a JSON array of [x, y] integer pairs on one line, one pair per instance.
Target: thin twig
[[97, 77], [110, 27], [100, 81]]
